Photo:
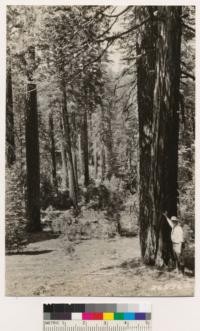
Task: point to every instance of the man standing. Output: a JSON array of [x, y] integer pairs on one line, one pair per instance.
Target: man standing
[[176, 237]]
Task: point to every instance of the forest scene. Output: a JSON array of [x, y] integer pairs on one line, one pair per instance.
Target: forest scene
[[100, 146]]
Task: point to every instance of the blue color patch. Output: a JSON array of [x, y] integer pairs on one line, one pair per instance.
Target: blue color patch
[[129, 316]]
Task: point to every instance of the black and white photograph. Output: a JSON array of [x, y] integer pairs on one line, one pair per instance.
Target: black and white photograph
[[100, 151]]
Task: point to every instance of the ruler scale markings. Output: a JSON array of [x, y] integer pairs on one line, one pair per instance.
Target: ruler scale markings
[[100, 317]]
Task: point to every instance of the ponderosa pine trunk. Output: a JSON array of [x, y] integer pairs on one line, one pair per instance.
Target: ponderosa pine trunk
[[163, 161], [32, 159], [10, 138], [53, 150]]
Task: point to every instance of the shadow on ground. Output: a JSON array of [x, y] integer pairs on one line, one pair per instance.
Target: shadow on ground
[[45, 251], [42, 236], [136, 266], [130, 264]]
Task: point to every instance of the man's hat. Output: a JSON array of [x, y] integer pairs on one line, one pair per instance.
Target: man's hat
[[174, 219]]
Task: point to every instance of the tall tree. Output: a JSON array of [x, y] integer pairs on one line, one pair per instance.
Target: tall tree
[[67, 134], [146, 60], [53, 150], [10, 136], [84, 139], [163, 187], [32, 147]]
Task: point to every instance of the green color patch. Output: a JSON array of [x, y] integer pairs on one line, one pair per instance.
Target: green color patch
[[118, 316]]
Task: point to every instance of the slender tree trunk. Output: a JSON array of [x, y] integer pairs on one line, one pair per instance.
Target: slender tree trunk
[[10, 138], [32, 160], [102, 146], [103, 162], [80, 158], [74, 147], [146, 41], [71, 171], [74, 157], [53, 151], [110, 168], [95, 157], [84, 147], [64, 165], [129, 159]]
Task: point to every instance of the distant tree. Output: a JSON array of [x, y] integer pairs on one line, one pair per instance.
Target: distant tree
[[10, 136], [53, 149]]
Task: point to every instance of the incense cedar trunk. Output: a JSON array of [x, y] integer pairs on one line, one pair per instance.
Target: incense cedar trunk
[[163, 161]]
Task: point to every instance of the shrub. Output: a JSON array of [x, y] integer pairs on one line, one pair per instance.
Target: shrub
[[49, 196]]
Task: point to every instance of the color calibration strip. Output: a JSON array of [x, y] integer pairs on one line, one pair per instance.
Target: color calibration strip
[[97, 312]]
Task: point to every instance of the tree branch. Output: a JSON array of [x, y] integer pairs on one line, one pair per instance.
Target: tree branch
[[109, 28], [119, 14], [187, 74], [188, 27], [120, 35], [93, 61]]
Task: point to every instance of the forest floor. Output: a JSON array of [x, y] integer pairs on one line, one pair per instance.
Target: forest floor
[[94, 267]]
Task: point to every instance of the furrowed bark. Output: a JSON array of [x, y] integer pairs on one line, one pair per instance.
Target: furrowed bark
[[158, 106], [164, 165], [32, 160], [146, 41]]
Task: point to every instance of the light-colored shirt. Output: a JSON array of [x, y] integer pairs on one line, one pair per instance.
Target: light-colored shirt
[[177, 232]]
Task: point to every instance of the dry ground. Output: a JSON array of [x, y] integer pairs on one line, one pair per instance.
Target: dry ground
[[95, 267]]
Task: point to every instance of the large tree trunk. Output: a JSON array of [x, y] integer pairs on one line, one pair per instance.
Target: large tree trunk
[[164, 167], [10, 138], [53, 151], [165, 131], [32, 160], [71, 171], [146, 55]]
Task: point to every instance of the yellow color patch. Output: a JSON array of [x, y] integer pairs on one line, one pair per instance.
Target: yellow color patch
[[108, 316]]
